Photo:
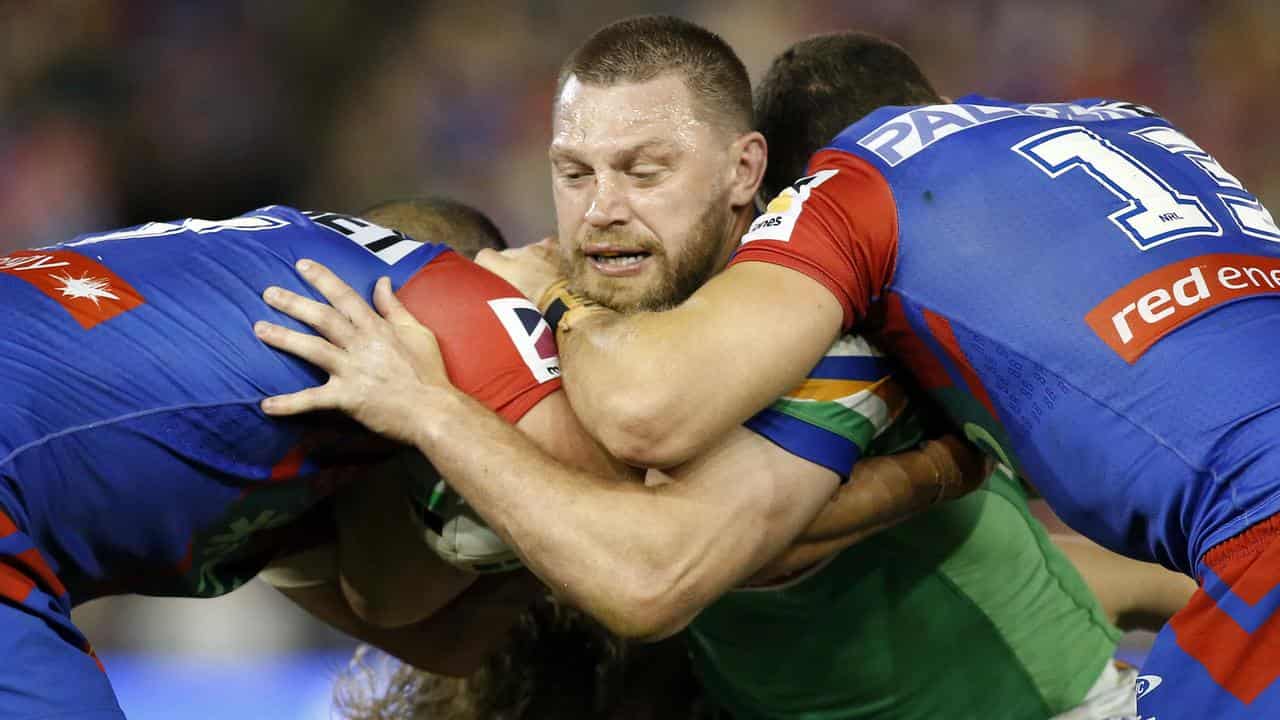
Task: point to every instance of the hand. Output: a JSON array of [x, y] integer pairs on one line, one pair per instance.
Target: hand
[[378, 365], [961, 466], [531, 269]]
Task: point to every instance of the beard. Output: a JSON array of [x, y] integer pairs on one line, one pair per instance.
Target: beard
[[673, 277]]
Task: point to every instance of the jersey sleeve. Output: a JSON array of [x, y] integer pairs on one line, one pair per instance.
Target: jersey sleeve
[[849, 406], [838, 225], [495, 344]]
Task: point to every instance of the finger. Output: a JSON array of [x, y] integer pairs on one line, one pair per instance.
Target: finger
[[339, 294], [312, 348], [316, 398], [325, 319]]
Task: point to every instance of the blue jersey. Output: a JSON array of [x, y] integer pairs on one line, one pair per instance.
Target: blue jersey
[[1086, 291], [133, 455]]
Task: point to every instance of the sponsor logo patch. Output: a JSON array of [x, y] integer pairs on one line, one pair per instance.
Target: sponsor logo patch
[[1147, 683], [1156, 304], [779, 218], [531, 335], [85, 288]]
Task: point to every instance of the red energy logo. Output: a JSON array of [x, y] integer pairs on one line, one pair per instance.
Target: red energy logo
[[1147, 309]]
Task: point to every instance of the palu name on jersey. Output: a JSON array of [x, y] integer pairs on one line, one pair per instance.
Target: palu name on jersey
[[911, 132]]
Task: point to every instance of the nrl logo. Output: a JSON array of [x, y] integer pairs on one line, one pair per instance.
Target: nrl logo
[[1148, 683]]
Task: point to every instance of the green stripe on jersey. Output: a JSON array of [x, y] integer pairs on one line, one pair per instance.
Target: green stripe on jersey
[[831, 416]]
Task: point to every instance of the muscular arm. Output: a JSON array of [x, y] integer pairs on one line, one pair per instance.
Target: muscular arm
[[641, 558], [886, 490], [645, 559], [692, 374]]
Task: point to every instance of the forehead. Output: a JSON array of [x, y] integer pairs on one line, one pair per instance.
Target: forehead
[[600, 117]]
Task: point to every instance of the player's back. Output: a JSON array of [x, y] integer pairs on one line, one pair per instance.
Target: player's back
[[130, 381], [1066, 281]]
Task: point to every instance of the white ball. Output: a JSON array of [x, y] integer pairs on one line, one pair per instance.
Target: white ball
[[453, 529]]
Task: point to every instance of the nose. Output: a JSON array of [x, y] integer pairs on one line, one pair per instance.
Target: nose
[[609, 205]]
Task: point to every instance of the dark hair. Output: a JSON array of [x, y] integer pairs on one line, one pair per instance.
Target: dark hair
[[558, 664], [639, 49], [439, 220], [820, 86]]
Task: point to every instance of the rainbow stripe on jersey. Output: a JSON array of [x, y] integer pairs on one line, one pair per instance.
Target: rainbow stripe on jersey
[[848, 400]]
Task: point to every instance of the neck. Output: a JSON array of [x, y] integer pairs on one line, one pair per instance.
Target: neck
[[741, 221]]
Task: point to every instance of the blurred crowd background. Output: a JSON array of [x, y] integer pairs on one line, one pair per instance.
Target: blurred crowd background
[[116, 113]]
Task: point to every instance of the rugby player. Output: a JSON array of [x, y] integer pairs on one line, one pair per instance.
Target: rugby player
[[134, 458], [640, 134], [1086, 291], [132, 452]]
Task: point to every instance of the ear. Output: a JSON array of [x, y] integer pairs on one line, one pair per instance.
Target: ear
[[750, 153]]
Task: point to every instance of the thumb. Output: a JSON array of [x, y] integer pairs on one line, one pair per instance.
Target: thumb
[[388, 305]]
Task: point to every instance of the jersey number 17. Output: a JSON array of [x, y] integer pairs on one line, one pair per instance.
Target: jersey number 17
[[1155, 213]]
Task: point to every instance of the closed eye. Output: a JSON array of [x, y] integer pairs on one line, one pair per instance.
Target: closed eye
[[573, 174], [644, 172]]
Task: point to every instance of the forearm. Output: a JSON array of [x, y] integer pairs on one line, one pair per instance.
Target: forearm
[[1136, 595], [389, 575], [454, 641], [657, 388], [641, 559], [883, 491]]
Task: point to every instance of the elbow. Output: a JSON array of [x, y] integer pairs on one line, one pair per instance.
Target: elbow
[[647, 611], [386, 617], [460, 663], [380, 609], [655, 626], [644, 430]]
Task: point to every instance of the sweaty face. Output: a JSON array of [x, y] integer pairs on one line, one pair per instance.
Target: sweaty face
[[640, 186]]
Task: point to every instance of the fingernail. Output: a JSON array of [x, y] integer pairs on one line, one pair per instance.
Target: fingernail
[[260, 328], [303, 265], [271, 293], [268, 404]]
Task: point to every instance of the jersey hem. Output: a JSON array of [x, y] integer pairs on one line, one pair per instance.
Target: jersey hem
[[517, 407], [770, 256], [1267, 508], [75, 429], [807, 440]]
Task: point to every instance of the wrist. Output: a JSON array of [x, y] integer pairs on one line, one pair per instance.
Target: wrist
[[564, 308], [947, 481], [430, 411]]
